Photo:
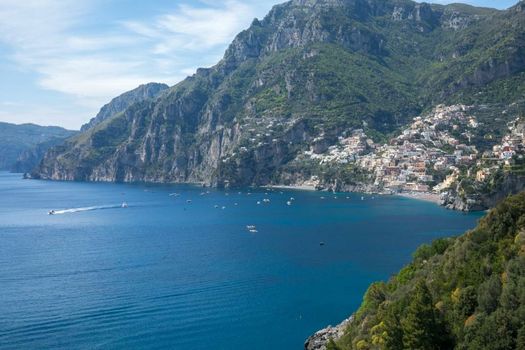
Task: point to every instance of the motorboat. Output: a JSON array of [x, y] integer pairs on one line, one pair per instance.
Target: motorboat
[[51, 212], [124, 205]]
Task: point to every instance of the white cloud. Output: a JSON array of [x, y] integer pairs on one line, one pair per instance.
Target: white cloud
[[43, 37], [192, 28]]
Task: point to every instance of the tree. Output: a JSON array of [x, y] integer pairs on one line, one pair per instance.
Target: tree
[[489, 293], [520, 342], [394, 332], [419, 325], [332, 345]]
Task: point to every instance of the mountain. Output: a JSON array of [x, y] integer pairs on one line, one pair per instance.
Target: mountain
[[311, 73], [457, 293], [15, 140], [31, 157], [120, 103]]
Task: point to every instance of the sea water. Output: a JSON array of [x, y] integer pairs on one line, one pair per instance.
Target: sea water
[[178, 268]]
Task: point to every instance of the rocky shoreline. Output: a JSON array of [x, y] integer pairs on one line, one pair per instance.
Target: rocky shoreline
[[320, 339]]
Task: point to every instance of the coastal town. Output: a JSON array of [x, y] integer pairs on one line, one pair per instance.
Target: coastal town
[[429, 155]]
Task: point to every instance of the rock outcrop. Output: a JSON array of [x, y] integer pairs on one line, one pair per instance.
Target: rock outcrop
[[457, 199], [320, 339]]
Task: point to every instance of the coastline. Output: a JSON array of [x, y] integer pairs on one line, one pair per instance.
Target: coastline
[[422, 196], [319, 340]]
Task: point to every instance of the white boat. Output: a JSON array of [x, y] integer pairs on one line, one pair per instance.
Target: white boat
[[289, 203], [124, 205], [51, 212]]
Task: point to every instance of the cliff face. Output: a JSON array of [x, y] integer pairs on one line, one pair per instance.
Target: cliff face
[[308, 69], [457, 199], [18, 140], [31, 157]]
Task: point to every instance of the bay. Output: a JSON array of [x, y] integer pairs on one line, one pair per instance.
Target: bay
[[169, 273]]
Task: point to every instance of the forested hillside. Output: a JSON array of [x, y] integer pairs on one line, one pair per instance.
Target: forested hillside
[[458, 293]]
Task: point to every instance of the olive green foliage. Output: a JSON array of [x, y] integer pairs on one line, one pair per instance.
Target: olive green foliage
[[459, 293]]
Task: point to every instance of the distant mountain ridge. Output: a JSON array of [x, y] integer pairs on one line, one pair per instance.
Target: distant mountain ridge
[[306, 75], [15, 140]]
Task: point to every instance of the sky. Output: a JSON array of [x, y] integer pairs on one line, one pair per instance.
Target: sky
[[61, 60]]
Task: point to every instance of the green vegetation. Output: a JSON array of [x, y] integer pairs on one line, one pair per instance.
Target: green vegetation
[[463, 293]]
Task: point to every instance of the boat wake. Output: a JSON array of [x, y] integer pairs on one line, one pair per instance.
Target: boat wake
[[78, 210]]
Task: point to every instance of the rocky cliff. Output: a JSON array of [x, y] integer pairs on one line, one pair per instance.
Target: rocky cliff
[[120, 103], [310, 70], [479, 199], [323, 337]]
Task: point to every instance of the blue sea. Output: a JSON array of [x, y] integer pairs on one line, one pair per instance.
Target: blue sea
[[167, 273]]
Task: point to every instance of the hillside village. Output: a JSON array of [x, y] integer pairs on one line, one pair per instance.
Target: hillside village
[[429, 155]]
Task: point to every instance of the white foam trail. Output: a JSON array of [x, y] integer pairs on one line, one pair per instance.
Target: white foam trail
[[77, 210]]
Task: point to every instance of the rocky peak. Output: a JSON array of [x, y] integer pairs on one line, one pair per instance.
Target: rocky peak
[[520, 6], [120, 103]]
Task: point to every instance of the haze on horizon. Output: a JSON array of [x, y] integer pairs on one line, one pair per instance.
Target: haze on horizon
[[61, 60]]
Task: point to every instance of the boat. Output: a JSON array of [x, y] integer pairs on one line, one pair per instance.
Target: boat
[[124, 205], [51, 212], [289, 203]]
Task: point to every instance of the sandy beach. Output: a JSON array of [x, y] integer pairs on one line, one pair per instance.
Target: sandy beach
[[294, 187], [424, 196]]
